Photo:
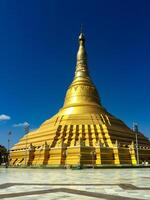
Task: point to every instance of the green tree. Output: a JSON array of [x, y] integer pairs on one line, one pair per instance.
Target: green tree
[[3, 154]]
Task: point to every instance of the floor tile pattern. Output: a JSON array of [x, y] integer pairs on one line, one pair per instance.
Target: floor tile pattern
[[51, 184]]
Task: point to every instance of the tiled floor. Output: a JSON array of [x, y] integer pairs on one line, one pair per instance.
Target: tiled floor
[[87, 184]]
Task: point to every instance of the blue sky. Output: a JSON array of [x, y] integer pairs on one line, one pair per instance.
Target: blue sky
[[38, 45]]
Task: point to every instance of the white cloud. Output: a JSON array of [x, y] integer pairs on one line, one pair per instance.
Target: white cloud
[[21, 124], [4, 117]]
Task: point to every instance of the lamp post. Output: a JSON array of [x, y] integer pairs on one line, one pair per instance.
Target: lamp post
[[135, 129], [26, 130], [8, 148], [9, 134]]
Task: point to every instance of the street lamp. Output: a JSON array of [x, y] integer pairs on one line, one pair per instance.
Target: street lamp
[[9, 134], [8, 148], [26, 130], [135, 129]]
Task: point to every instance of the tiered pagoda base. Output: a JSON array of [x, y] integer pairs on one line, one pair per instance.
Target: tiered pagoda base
[[80, 145], [80, 156]]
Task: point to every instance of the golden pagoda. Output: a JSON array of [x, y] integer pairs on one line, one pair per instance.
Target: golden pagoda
[[83, 132]]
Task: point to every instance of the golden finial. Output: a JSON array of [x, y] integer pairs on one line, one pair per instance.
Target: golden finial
[[81, 36]]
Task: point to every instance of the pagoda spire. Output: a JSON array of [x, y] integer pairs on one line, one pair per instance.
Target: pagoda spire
[[81, 63], [82, 91]]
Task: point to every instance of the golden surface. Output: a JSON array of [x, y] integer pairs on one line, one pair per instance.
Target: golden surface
[[82, 132]]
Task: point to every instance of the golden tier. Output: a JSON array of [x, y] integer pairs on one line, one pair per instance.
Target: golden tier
[[82, 132]]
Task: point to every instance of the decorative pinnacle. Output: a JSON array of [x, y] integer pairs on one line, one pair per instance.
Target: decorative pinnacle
[[81, 37], [81, 65]]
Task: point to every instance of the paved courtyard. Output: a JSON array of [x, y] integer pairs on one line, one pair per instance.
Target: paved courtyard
[[87, 184]]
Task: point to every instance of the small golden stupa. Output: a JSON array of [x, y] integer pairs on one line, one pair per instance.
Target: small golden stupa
[[82, 132]]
